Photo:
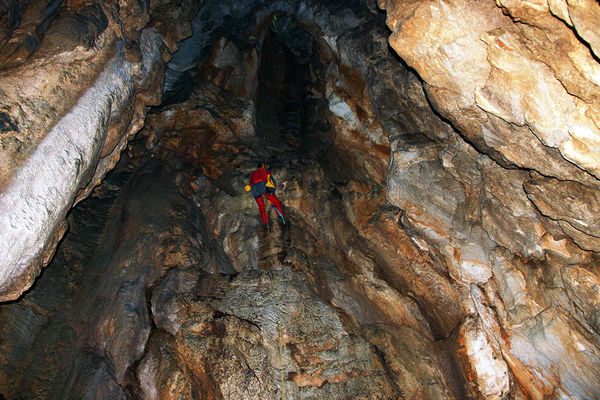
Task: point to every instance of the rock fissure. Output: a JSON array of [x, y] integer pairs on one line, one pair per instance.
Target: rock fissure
[[558, 219]]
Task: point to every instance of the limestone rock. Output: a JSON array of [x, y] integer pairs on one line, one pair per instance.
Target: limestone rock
[[415, 172], [563, 347], [502, 77], [583, 14], [89, 348], [33, 205], [486, 367], [569, 203], [232, 70], [513, 289], [32, 22], [161, 374], [72, 94], [503, 194], [334, 362], [583, 288]]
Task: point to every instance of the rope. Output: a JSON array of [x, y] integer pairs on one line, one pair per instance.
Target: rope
[[279, 328], [283, 219], [280, 334]]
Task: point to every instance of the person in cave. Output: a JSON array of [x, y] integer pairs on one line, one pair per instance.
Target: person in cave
[[262, 183]]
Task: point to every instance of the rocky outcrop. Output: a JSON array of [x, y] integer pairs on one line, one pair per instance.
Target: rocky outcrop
[[512, 97], [76, 79], [518, 87]]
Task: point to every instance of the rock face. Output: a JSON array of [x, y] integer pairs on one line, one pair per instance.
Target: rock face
[[75, 80], [441, 235], [516, 204]]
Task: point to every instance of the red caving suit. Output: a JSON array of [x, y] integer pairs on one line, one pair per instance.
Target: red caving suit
[[258, 180]]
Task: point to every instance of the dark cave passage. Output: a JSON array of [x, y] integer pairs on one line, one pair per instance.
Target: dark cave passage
[[285, 106]]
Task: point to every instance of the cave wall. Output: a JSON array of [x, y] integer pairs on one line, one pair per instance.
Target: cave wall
[[519, 90], [446, 231], [76, 78]]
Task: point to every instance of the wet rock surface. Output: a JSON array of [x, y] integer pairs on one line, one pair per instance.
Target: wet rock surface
[[441, 209]]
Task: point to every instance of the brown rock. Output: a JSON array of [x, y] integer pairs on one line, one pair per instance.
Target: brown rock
[[569, 203], [65, 116], [486, 370], [584, 14], [502, 78], [232, 70], [583, 287]]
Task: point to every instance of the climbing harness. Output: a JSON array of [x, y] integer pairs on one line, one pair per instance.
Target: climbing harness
[[270, 183]]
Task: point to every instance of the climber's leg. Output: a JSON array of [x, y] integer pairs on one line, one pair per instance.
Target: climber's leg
[[261, 207], [275, 201]]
